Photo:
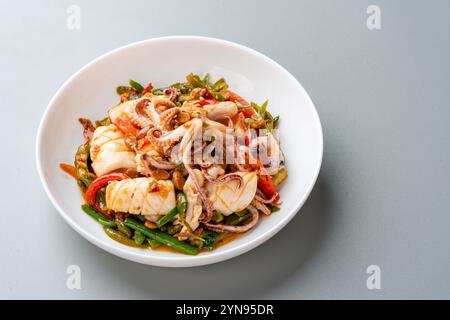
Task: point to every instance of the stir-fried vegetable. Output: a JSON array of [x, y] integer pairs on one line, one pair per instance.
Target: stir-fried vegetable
[[84, 177], [262, 109], [181, 207], [259, 117], [235, 220], [210, 238], [134, 91], [139, 238], [181, 203], [123, 228], [153, 243], [97, 216], [103, 122], [173, 229], [217, 216], [275, 122], [273, 208], [120, 237], [280, 176], [167, 218], [124, 90], [161, 237], [136, 86]]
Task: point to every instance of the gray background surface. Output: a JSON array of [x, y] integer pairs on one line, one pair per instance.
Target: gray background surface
[[383, 195]]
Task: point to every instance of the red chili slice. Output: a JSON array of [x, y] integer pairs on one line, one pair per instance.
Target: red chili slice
[[148, 88], [97, 184], [265, 184]]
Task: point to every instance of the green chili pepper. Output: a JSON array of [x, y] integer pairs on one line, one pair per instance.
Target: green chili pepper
[[103, 122], [120, 237], [97, 216], [275, 121], [136, 86], [273, 208], [210, 238], [207, 80], [172, 229], [123, 228], [141, 217], [269, 116], [181, 206], [255, 106], [124, 89], [234, 220], [218, 96], [84, 178], [194, 80], [184, 97], [160, 236], [262, 109], [280, 176], [217, 216], [181, 203], [139, 238], [167, 218], [219, 85], [158, 91], [153, 243], [100, 198], [241, 213]]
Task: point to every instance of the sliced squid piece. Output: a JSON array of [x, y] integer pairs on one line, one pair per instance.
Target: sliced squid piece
[[194, 203], [229, 197], [109, 151], [221, 110], [144, 196]]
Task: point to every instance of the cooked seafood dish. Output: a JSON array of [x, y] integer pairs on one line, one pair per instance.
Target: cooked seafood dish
[[187, 167]]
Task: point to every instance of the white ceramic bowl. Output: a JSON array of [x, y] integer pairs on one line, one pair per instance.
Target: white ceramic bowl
[[91, 91]]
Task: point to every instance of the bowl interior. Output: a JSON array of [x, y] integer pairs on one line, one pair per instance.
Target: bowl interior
[[91, 91]]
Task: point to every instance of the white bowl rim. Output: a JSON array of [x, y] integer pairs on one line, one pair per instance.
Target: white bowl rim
[[182, 260]]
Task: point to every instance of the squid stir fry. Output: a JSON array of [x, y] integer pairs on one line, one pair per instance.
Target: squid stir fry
[[180, 166]]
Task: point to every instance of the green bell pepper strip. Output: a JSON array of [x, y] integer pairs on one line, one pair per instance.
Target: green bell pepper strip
[[160, 236]]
